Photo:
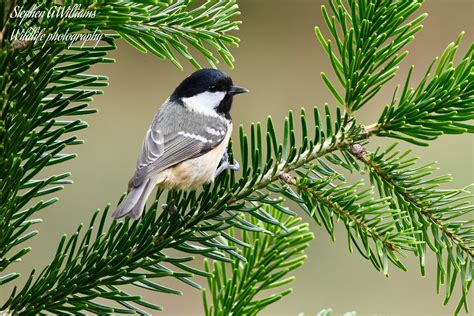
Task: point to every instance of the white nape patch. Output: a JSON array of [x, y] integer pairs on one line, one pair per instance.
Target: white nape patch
[[194, 136], [212, 131], [205, 102]]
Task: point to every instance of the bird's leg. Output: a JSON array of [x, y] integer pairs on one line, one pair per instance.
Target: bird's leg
[[225, 165]]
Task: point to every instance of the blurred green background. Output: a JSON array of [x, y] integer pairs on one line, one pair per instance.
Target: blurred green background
[[279, 60]]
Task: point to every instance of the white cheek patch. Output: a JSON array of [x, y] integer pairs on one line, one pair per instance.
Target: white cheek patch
[[205, 102]]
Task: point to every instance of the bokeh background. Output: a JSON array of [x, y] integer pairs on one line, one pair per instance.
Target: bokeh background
[[279, 60]]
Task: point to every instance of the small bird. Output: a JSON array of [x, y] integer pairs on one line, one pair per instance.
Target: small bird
[[186, 144]]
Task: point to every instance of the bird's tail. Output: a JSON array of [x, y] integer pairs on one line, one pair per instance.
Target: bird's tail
[[134, 202]]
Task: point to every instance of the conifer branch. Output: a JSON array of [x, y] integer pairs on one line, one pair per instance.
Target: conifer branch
[[233, 289], [33, 127], [418, 203], [429, 208], [114, 256], [42, 85], [442, 105], [103, 259], [368, 36], [92, 266], [172, 25]]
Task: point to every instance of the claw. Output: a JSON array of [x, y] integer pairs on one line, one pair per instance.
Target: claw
[[235, 166], [225, 165]]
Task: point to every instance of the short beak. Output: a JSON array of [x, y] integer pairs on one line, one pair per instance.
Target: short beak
[[236, 90]]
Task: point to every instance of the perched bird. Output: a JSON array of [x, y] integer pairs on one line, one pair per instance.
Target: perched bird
[[186, 144]]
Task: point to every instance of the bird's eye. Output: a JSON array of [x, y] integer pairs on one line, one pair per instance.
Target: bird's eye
[[212, 88]]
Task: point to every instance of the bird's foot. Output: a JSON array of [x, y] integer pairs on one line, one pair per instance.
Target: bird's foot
[[225, 165], [170, 208]]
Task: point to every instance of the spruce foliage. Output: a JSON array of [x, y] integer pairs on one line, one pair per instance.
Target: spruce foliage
[[245, 224]]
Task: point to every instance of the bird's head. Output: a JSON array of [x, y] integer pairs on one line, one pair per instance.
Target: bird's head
[[207, 91]]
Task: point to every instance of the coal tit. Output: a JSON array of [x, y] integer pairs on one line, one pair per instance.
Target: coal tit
[[186, 144]]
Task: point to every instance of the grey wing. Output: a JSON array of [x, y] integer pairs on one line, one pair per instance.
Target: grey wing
[[153, 148], [161, 151]]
